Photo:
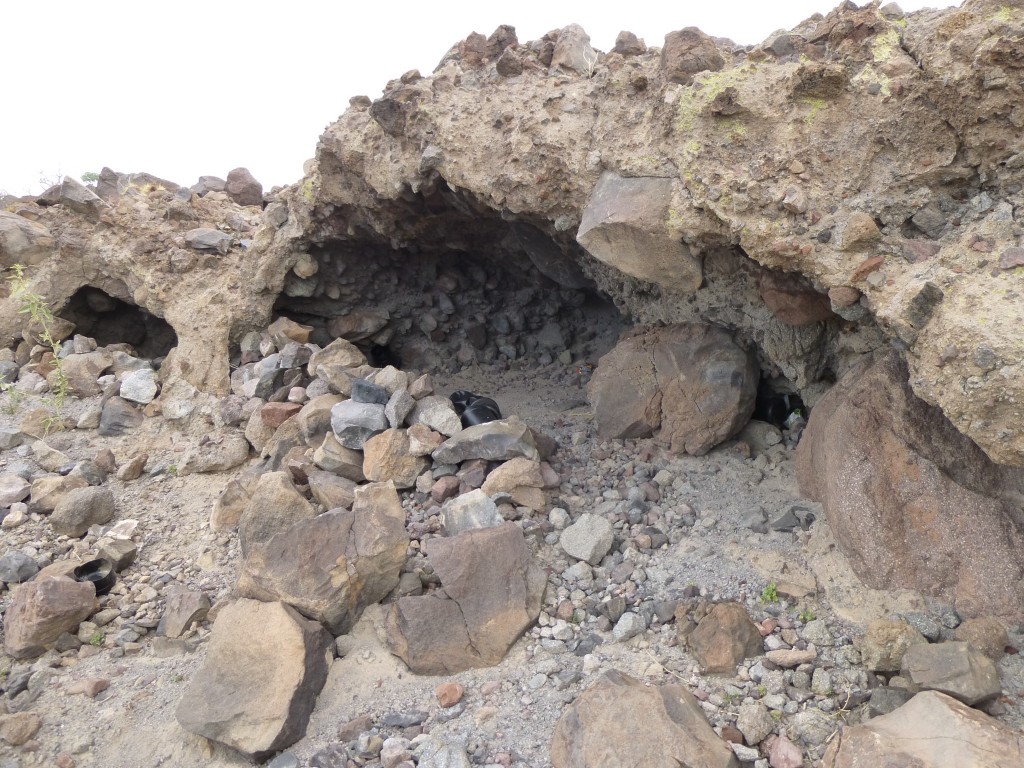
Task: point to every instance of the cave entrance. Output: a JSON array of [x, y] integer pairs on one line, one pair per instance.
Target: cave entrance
[[110, 320], [441, 309]]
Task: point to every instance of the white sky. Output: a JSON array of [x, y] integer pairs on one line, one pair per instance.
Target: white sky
[[184, 88]]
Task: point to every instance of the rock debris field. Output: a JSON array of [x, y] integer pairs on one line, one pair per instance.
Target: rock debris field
[[657, 407]]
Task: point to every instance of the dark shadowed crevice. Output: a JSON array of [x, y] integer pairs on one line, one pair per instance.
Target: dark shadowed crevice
[[109, 320]]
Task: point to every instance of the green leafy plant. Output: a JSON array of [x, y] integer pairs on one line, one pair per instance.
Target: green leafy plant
[[96, 640], [807, 615], [42, 322], [90, 176], [770, 594], [14, 397]]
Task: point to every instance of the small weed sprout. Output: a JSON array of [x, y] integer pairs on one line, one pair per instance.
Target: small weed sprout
[[770, 594], [806, 615], [96, 640], [41, 317]]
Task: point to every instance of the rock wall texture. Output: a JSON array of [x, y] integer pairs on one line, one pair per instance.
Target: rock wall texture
[[854, 182]]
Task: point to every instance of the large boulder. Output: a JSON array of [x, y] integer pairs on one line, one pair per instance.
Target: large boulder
[[692, 384], [931, 730], [265, 666], [957, 669], [619, 722], [82, 508], [42, 610], [492, 441], [332, 566], [22, 241], [274, 507], [913, 502], [628, 224], [492, 593]]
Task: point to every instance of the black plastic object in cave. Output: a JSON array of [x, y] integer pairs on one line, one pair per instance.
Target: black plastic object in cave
[[100, 316], [474, 409], [776, 407]]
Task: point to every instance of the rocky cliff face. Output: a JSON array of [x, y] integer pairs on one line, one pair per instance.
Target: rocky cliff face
[[853, 183]]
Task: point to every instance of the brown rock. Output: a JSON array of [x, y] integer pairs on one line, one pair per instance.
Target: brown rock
[[276, 414], [182, 606], [315, 417], [691, 380], [724, 638], [90, 686], [217, 454], [264, 668], [601, 728], [50, 490], [985, 633], [274, 507], [687, 52], [492, 594], [512, 474], [789, 658], [843, 295], [449, 694], [332, 566], [16, 729], [783, 753], [132, 469], [232, 502], [911, 501], [885, 642], [866, 267], [82, 508], [387, 456], [41, 610], [792, 300], [243, 188], [956, 669], [444, 488], [858, 229], [338, 353], [330, 490], [334, 457], [930, 731], [1011, 258]]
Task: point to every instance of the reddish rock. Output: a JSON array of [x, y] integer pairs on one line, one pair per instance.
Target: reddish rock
[[916, 251], [276, 414], [866, 267], [449, 694], [42, 610], [783, 753], [843, 295], [687, 52], [792, 300], [724, 638], [445, 488], [1011, 258], [913, 503]]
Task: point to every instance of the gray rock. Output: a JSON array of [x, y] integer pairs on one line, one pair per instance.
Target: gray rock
[[219, 453], [437, 413], [493, 441], [334, 457], [755, 722], [208, 239], [81, 199], [243, 188], [364, 391], [398, 407], [275, 506], [589, 538], [41, 611], [16, 567], [140, 386], [13, 489], [265, 666], [434, 753], [118, 417], [628, 626], [886, 699], [82, 508], [182, 606], [468, 512], [11, 437], [354, 423], [956, 669]]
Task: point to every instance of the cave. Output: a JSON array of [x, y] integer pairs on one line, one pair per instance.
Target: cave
[[468, 286], [109, 320]]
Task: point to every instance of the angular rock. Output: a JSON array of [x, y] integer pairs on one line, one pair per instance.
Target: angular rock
[[332, 566], [792, 300], [275, 506], [398, 407], [48, 491], [572, 52], [354, 423], [81, 199], [315, 417], [885, 642], [118, 417], [687, 52], [265, 666], [754, 722], [588, 539], [231, 504], [42, 610], [243, 188], [912, 502], [334, 457], [219, 454], [627, 224], [492, 593], [13, 489], [985, 633], [23, 241], [18, 728], [140, 386], [724, 638], [82, 508], [339, 353], [493, 441], [387, 457], [332, 491], [437, 413], [17, 567], [601, 726], [468, 512], [182, 606], [955, 668], [120, 552], [512, 474], [276, 414], [209, 239], [930, 731]]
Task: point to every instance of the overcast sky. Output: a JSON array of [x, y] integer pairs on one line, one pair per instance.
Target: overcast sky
[[185, 88]]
